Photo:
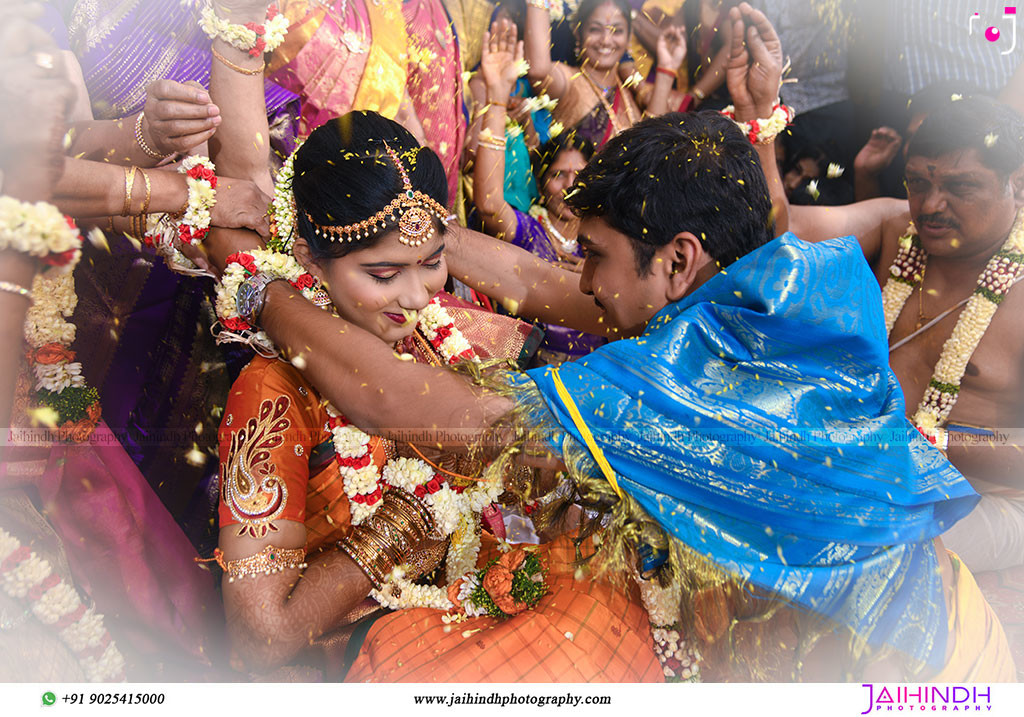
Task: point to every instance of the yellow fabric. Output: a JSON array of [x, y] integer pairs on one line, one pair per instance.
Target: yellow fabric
[[303, 24], [981, 652], [588, 437], [382, 87]]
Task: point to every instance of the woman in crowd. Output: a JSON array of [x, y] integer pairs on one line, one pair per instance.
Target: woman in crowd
[[601, 97], [296, 477], [549, 229]]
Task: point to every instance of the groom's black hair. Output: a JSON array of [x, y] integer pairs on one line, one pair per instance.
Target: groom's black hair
[[692, 172]]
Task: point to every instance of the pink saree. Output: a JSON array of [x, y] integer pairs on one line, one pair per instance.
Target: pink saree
[[126, 553]]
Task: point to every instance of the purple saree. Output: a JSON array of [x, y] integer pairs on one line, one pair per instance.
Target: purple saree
[[124, 45]]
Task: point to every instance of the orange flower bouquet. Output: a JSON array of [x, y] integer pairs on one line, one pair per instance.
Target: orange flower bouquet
[[504, 587]]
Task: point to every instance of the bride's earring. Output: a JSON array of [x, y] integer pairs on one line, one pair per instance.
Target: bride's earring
[[320, 296]]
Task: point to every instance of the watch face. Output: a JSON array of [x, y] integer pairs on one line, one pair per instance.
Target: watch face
[[246, 298]]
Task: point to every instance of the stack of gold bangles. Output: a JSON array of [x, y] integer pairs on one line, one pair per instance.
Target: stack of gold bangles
[[385, 540]]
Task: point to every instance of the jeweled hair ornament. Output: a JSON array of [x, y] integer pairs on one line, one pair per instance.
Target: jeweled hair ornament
[[412, 209]]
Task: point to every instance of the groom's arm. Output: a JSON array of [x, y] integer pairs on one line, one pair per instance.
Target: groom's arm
[[361, 375], [524, 284]]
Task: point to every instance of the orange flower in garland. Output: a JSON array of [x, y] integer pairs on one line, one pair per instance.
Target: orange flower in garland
[[49, 354]]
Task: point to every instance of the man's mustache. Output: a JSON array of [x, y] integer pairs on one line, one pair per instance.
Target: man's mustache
[[937, 219]]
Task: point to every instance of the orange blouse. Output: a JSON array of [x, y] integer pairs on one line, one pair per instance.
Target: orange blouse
[[277, 457]]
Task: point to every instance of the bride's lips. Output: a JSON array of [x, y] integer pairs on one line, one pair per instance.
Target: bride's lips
[[397, 318]]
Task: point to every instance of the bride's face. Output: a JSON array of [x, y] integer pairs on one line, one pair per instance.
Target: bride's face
[[383, 288]]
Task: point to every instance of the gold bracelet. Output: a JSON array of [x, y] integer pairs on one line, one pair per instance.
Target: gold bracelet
[[129, 185], [12, 288], [236, 68], [141, 141], [491, 144], [268, 561], [149, 191]]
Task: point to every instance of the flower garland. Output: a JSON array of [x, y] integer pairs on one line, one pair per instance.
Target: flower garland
[[995, 281], [251, 37], [282, 207], [763, 131], [27, 577], [242, 265], [40, 230], [202, 184], [680, 661], [162, 234], [455, 508]]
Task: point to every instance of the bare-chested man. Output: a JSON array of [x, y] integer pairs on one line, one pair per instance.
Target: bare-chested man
[[965, 186]]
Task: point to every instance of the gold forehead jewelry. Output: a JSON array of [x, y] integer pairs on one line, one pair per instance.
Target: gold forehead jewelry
[[412, 209]]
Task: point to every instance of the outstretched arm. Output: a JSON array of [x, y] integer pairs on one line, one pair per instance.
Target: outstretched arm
[[241, 146], [524, 284], [545, 76], [497, 66], [176, 118], [351, 368]]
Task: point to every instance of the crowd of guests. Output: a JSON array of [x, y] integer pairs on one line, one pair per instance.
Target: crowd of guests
[[164, 489]]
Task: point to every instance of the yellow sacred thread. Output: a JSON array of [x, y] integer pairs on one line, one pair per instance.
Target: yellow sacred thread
[[588, 437]]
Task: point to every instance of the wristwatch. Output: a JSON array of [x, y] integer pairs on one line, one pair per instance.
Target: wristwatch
[[251, 295]]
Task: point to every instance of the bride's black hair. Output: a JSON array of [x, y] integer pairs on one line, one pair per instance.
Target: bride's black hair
[[344, 175]]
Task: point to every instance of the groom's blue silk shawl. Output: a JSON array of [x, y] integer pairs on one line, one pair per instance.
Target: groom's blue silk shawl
[[758, 421]]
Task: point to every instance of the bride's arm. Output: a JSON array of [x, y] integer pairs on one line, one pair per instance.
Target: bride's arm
[[272, 617]]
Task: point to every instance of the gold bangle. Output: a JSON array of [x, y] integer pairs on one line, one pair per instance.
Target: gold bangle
[[363, 559], [141, 141], [129, 185], [237, 68], [149, 192], [490, 144], [12, 288]]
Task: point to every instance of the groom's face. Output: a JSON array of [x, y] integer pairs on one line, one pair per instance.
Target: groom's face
[[628, 297]]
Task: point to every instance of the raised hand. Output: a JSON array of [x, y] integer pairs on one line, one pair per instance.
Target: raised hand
[[178, 116], [879, 151], [672, 47], [499, 60], [754, 74]]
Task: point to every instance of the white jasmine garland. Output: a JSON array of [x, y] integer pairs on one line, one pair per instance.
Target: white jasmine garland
[[59, 601], [244, 37], [995, 281], [55, 602], [282, 207], [19, 580], [39, 229], [265, 261]]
